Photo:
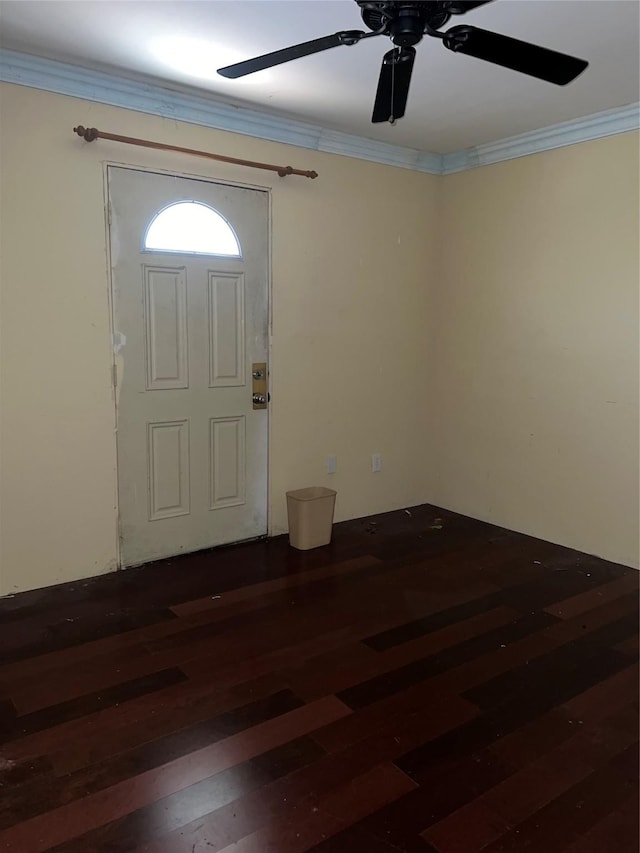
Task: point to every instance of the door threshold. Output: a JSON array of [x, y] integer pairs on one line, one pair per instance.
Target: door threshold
[[180, 554]]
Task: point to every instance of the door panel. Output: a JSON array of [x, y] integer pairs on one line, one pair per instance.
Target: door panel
[[168, 466], [192, 451], [226, 330], [165, 310], [227, 483]]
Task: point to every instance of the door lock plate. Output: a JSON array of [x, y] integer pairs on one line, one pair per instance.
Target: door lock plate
[[260, 393]]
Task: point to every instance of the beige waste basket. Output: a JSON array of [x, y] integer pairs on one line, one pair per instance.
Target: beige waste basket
[[310, 514]]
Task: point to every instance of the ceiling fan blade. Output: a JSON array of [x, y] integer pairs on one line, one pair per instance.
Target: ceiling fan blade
[[512, 53], [459, 7], [393, 84], [277, 57]]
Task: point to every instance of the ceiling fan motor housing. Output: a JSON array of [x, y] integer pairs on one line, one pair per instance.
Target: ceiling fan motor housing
[[405, 23]]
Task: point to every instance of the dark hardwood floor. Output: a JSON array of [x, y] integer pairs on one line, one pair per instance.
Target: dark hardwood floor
[[425, 683]]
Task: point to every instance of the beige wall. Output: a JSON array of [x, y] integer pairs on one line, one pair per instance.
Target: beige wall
[[478, 330], [353, 260], [535, 346]]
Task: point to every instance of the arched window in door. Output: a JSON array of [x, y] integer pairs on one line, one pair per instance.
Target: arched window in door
[[191, 227]]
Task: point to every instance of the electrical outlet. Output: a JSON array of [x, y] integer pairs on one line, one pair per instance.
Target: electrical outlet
[[332, 464], [376, 462]]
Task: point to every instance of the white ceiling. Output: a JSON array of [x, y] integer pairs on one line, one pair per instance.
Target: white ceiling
[[455, 102]]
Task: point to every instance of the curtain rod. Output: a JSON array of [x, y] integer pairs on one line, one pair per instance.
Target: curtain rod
[[91, 133]]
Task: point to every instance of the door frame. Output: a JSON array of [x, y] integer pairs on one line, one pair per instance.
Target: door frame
[[106, 165]]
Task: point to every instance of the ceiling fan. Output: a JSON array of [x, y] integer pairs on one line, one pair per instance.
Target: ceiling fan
[[406, 23]]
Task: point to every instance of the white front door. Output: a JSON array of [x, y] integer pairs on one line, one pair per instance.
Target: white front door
[[190, 316]]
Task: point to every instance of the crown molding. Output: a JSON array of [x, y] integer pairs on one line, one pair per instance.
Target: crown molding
[[335, 142], [104, 88], [596, 126]]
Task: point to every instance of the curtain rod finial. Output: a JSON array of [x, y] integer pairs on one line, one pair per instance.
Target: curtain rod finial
[[87, 133], [289, 170]]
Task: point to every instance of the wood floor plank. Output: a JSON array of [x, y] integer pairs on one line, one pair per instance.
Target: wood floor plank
[[617, 831], [585, 601], [92, 702], [355, 838], [605, 696], [573, 627], [468, 830], [630, 646], [536, 737], [289, 582], [433, 710], [115, 646], [94, 676], [25, 640]]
